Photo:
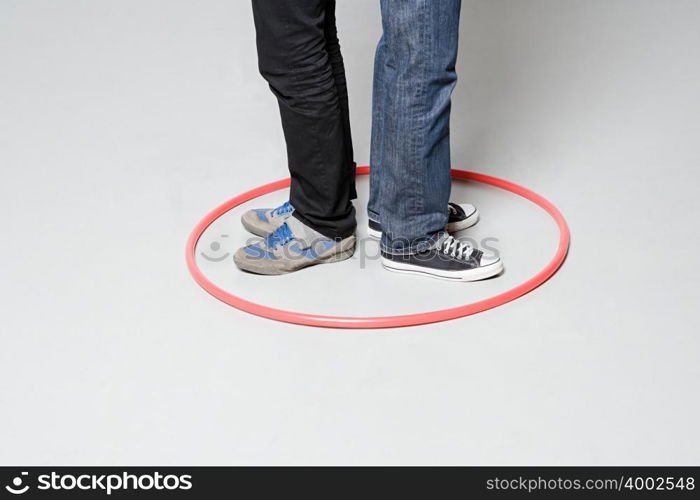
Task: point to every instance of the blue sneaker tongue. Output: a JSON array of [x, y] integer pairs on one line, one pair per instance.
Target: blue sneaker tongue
[[280, 237], [284, 208]]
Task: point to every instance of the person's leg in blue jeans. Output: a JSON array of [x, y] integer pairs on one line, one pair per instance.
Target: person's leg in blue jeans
[[410, 179], [414, 79]]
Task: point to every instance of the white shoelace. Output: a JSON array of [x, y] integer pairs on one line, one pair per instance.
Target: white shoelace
[[456, 249]]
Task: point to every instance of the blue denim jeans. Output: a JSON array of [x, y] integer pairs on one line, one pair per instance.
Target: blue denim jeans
[[414, 76]]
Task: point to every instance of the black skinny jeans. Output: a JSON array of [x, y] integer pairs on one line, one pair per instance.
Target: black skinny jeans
[[299, 56]]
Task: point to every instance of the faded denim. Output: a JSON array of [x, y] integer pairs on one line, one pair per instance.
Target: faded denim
[[410, 155]]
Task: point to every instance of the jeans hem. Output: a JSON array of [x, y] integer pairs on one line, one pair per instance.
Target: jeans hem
[[416, 246], [373, 215]]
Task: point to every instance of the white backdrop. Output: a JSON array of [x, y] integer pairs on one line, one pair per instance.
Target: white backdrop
[[122, 123]]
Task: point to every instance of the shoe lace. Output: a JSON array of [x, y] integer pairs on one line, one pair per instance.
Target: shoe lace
[[284, 209], [280, 237], [452, 210], [456, 249]]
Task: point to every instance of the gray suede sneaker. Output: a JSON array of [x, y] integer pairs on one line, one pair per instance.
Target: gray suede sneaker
[[265, 221], [293, 246]]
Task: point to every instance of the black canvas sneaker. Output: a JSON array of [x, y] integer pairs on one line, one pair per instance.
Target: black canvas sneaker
[[460, 217], [449, 259]]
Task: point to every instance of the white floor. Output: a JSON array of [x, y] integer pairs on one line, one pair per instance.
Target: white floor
[[122, 124], [361, 287]]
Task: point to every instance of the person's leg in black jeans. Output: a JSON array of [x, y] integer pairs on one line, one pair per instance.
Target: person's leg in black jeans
[[299, 56], [338, 67]]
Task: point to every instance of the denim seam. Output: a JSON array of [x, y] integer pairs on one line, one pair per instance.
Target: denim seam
[[377, 138], [417, 191], [419, 137]]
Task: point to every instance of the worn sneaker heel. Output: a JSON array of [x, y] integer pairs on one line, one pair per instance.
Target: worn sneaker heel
[[340, 256]]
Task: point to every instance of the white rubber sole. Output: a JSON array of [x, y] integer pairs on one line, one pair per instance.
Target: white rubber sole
[[450, 228], [476, 274]]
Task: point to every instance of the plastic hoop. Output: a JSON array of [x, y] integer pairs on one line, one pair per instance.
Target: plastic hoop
[[381, 321]]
